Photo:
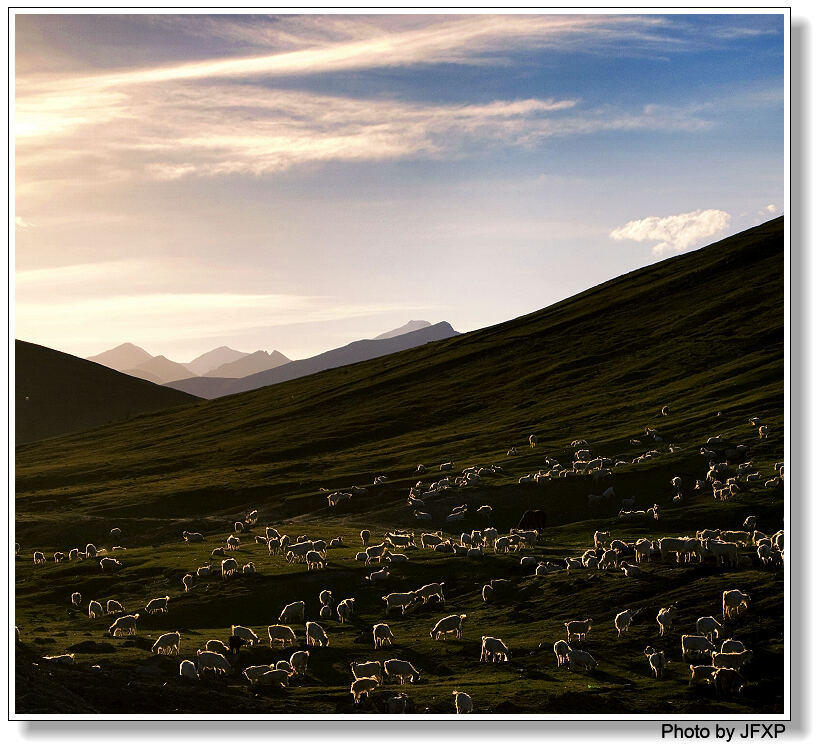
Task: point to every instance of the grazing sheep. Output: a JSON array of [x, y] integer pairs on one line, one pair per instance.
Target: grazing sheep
[[124, 625], [209, 661], [732, 646], [204, 571], [228, 567], [293, 613], [282, 634], [696, 644], [561, 650], [245, 633], [315, 635], [114, 607], [39, 557], [95, 609], [452, 623], [217, 646], [314, 559], [299, 661], [91, 551], [158, 605], [249, 568], [427, 592], [403, 600], [167, 644], [701, 674], [727, 680], [76, 599], [731, 660], [581, 658], [400, 669], [188, 670], [345, 610], [189, 537], [275, 677], [367, 668], [363, 687], [532, 440], [656, 659], [188, 582], [253, 673], [462, 702], [580, 628], [708, 626], [733, 602], [382, 635], [622, 621], [600, 538], [763, 432], [494, 648]]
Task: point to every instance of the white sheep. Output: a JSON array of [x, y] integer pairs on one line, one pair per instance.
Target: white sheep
[[561, 650], [622, 621], [167, 643], [204, 571], [158, 605], [95, 609], [402, 600], [732, 646], [276, 676], [581, 658], [462, 702], [188, 582], [228, 567], [452, 623], [114, 607], [426, 592], [664, 618], [382, 635], [402, 670], [76, 599], [345, 610], [249, 568], [238, 630], [763, 432], [208, 660], [39, 557], [656, 660], [696, 644], [600, 538], [494, 648], [733, 602], [315, 635], [282, 633], [190, 537], [91, 551], [580, 628], [363, 687], [731, 660], [232, 543], [188, 670], [253, 673], [314, 559], [367, 668], [708, 626], [125, 625], [299, 661], [66, 659]]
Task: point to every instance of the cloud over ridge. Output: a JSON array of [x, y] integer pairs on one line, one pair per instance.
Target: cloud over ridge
[[674, 233]]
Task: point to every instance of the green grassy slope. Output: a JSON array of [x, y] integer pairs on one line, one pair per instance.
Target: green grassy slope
[[56, 393], [702, 333]]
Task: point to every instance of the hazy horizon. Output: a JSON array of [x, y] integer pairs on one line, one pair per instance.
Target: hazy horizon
[[297, 182]]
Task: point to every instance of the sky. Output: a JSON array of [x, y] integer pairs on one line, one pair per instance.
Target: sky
[[295, 182]]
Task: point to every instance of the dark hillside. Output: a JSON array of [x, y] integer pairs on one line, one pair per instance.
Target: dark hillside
[[56, 393]]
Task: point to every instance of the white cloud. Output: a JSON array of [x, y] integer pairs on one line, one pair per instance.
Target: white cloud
[[770, 208], [674, 233], [21, 224]]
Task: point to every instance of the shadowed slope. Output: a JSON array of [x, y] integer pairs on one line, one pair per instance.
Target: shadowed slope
[[57, 393]]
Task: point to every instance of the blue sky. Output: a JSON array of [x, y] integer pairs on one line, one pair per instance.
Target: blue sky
[[296, 182]]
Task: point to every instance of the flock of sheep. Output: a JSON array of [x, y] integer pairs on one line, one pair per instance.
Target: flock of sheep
[[720, 546]]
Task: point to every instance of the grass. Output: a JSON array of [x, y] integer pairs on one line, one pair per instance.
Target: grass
[[701, 332]]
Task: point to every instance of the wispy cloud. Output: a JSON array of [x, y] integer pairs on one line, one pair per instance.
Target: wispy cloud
[[20, 224], [674, 233]]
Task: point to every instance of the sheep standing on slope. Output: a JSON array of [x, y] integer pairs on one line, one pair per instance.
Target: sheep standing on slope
[[124, 625], [158, 605], [664, 618], [188, 582], [462, 702], [532, 440], [95, 609], [188, 670], [561, 650], [315, 635], [76, 599], [167, 644], [363, 687], [383, 635], [656, 659], [733, 602], [494, 648], [622, 621], [578, 628], [114, 607]]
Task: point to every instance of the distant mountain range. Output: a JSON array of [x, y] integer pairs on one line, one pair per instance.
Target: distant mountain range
[[221, 362], [216, 387], [228, 363], [56, 393]]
